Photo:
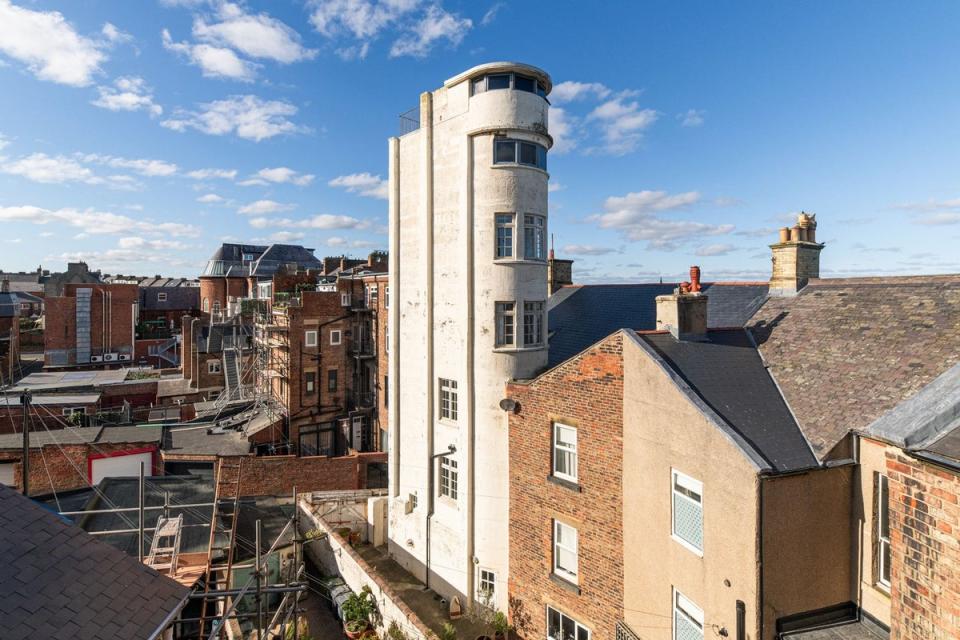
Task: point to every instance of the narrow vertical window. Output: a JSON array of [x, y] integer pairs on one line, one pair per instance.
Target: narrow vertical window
[[505, 320], [336, 337], [883, 531], [532, 324], [565, 452], [332, 380], [565, 553], [504, 222], [448, 478], [488, 587], [386, 297], [311, 381], [687, 618], [386, 391], [448, 399], [310, 338], [688, 512], [534, 237]]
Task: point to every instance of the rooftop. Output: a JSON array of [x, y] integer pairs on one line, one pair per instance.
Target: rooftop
[[60, 582], [204, 442], [849, 350], [83, 435], [63, 380]]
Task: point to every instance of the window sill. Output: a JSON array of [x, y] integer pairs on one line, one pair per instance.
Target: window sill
[[518, 261], [882, 589], [563, 582], [567, 484], [447, 422], [518, 349], [448, 502], [686, 545]]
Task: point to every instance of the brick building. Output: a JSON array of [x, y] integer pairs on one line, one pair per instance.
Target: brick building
[[9, 337], [91, 325]]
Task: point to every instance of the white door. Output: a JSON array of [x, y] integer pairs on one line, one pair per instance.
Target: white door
[[120, 466], [6, 473]]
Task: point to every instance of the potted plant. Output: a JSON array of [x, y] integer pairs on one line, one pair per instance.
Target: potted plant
[[358, 608], [501, 626], [449, 632]]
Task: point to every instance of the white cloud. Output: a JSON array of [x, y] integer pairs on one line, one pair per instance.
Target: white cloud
[[143, 166], [286, 236], [279, 175], [246, 116], [48, 45], [257, 36], [261, 207], [556, 186], [136, 242], [364, 184], [718, 249], [114, 35], [4, 141], [93, 222], [337, 241], [933, 212], [39, 167], [587, 250], [363, 19], [210, 198], [435, 25], [569, 91], [214, 62], [207, 174], [691, 118], [491, 13], [622, 124], [353, 52], [322, 221], [563, 130], [128, 93], [635, 216]]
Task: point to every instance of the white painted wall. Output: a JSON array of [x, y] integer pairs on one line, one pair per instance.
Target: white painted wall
[[122, 466], [446, 175]]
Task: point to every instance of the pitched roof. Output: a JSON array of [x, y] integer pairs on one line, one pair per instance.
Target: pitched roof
[[726, 372], [846, 351], [60, 582], [278, 255], [83, 435], [579, 316]]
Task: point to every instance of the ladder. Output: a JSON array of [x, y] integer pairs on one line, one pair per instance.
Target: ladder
[[165, 548], [226, 508]]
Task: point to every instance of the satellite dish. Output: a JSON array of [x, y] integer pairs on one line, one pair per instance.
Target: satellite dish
[[508, 404]]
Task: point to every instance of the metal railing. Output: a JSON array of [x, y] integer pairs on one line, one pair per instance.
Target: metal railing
[[409, 121]]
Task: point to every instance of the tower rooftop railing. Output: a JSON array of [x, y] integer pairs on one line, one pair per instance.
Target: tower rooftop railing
[[409, 121]]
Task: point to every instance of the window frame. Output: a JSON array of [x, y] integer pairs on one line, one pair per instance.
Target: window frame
[[537, 226], [448, 484], [452, 410], [540, 155], [695, 486], [206, 305], [536, 326], [214, 363], [345, 299], [695, 616], [557, 427], [161, 296], [386, 296], [339, 334], [500, 314], [509, 227], [563, 573], [310, 337], [333, 376], [883, 546], [577, 626], [310, 382], [480, 85], [488, 596]]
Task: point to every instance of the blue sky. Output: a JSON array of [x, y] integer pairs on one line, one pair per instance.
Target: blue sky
[[140, 135]]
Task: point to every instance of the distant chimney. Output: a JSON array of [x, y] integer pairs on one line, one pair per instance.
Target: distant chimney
[[559, 272], [796, 257], [5, 285], [684, 312]]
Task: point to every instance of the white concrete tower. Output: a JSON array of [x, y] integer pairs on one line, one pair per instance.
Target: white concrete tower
[[468, 291]]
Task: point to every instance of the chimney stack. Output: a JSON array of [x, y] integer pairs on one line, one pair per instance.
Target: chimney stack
[[5, 285], [559, 272], [796, 257], [684, 312]]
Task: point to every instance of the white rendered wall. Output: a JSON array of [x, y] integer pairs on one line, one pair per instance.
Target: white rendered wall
[[465, 282]]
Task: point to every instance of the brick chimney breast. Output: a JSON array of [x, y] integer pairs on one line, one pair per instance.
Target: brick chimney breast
[[684, 312], [796, 257]]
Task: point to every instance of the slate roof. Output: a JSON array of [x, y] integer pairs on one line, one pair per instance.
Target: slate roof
[[579, 316], [178, 298], [60, 582], [859, 630], [228, 259], [846, 351], [727, 373], [278, 255], [83, 435]]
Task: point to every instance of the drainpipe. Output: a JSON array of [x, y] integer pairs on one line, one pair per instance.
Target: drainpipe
[[426, 120], [471, 391]]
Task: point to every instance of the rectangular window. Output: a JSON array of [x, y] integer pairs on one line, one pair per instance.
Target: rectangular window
[[883, 531], [565, 558], [206, 305], [448, 399], [688, 512], [336, 336], [213, 366], [523, 83], [332, 380], [74, 411], [534, 237], [216, 306], [504, 151], [487, 591], [310, 338], [532, 324], [687, 618], [386, 297], [528, 153], [386, 391], [504, 223], [344, 299], [479, 85], [505, 320], [161, 297], [565, 452], [498, 82], [448, 478], [311, 381], [386, 338], [563, 627]]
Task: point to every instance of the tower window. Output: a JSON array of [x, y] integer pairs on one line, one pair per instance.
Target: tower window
[[508, 151], [534, 237], [504, 317], [532, 324], [500, 81], [504, 223]]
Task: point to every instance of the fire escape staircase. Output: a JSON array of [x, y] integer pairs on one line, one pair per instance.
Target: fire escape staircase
[[223, 524], [231, 374], [168, 351]]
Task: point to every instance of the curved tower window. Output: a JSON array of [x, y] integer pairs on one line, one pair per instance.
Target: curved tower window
[[510, 151], [515, 81]]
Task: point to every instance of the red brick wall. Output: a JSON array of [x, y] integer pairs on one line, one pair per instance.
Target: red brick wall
[[220, 289], [142, 393], [925, 541], [11, 418], [587, 393], [9, 349], [61, 320], [65, 465], [277, 475]]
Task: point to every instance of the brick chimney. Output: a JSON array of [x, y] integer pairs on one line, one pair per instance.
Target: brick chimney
[[684, 312], [796, 257], [559, 272], [5, 285]]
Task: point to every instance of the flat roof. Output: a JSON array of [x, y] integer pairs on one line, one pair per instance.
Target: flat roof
[[50, 380], [69, 399]]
